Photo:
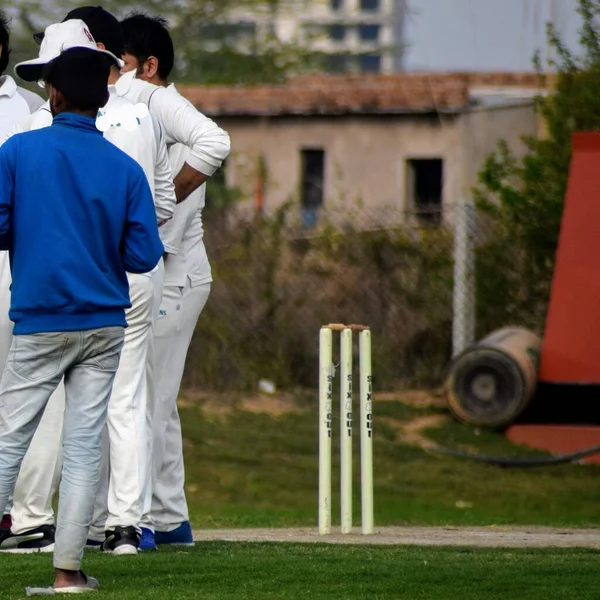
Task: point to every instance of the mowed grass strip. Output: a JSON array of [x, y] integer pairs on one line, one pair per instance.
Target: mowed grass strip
[[225, 570], [252, 469]]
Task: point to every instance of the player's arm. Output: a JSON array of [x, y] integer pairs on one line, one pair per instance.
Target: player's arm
[[209, 144], [164, 189], [188, 180], [141, 248]]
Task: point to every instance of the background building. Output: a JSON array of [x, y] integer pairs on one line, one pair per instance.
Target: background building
[[369, 149], [355, 35]]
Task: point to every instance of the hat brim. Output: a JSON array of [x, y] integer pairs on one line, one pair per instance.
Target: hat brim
[[32, 70]]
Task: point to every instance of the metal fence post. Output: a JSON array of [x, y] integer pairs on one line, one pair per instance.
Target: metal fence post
[[463, 317]]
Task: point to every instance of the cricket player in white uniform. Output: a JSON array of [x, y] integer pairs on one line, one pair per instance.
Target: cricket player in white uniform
[[149, 52], [16, 105], [142, 139], [207, 146]]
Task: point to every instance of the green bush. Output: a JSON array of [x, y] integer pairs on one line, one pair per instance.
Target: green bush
[[274, 288]]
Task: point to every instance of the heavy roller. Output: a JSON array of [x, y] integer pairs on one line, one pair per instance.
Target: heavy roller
[[491, 383]]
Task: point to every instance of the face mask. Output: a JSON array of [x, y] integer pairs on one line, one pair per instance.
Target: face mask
[[132, 74]]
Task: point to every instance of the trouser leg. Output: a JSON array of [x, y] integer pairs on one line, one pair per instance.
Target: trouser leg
[[88, 385], [180, 310]]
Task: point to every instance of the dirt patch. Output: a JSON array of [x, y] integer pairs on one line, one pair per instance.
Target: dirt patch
[[488, 537], [414, 398], [220, 403], [271, 405], [412, 432], [189, 398]]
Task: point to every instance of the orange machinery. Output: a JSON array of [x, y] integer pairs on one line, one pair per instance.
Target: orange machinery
[[569, 372], [571, 346]]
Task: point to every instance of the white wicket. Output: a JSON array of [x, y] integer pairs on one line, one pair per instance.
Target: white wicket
[[326, 377], [366, 432], [326, 374], [346, 429]]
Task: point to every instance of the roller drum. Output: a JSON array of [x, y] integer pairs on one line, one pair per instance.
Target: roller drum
[[492, 382]]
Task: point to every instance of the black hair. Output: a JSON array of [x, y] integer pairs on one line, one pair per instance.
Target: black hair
[[5, 41], [81, 75], [146, 36], [104, 26]]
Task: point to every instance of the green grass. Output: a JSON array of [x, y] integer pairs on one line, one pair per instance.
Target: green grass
[[251, 470], [221, 570]]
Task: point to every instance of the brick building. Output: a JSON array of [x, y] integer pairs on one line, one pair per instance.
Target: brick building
[[385, 146]]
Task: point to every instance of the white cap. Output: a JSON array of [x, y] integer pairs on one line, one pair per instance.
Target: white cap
[[58, 38]]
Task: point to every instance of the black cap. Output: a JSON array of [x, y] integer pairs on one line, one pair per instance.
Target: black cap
[[105, 27]]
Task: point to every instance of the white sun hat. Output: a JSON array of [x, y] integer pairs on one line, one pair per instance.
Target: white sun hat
[[58, 38]]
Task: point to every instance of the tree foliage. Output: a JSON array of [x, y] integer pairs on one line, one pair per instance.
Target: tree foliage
[[525, 196], [212, 47]]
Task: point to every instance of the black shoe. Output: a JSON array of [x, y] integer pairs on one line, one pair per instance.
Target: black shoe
[[40, 539], [5, 524], [122, 540], [94, 544]]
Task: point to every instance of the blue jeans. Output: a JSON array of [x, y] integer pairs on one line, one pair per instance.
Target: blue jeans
[[88, 360]]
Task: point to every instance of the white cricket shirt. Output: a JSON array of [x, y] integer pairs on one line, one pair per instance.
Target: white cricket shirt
[[194, 139], [188, 260], [16, 105], [145, 144], [209, 145]]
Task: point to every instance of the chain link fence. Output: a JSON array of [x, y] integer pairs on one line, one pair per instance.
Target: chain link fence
[[427, 288]]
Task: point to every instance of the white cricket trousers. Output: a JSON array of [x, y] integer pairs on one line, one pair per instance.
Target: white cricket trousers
[[179, 312], [6, 325], [39, 476], [126, 458]]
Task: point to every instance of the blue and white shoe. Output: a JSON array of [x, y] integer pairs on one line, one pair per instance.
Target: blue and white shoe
[[147, 542], [182, 536]]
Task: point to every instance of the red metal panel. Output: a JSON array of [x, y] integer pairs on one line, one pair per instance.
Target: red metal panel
[[571, 347], [557, 439]]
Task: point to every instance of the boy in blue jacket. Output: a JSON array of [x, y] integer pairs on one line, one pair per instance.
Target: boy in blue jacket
[[76, 213]]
